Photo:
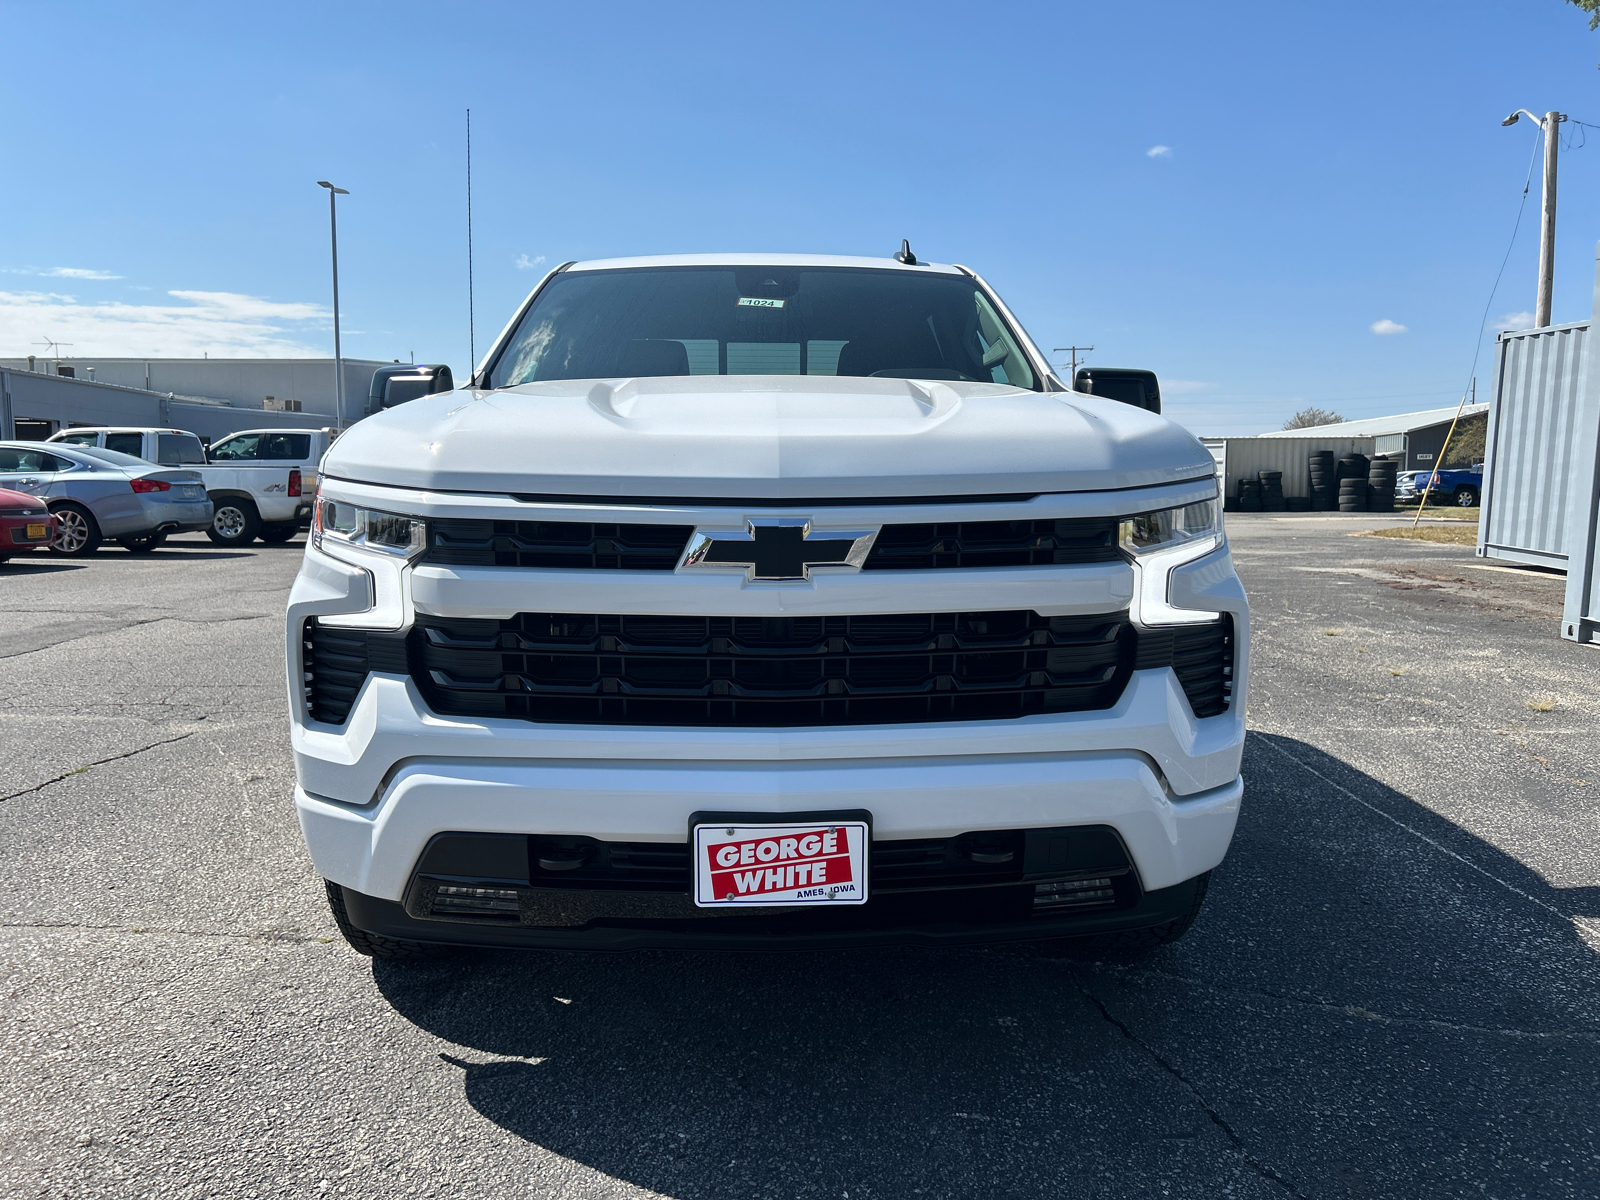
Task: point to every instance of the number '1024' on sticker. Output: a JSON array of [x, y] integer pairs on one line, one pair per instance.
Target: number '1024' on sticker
[[758, 302]]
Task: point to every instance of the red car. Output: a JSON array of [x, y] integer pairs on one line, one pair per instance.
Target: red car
[[25, 524]]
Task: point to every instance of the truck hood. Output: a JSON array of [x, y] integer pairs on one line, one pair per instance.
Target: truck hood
[[777, 437]]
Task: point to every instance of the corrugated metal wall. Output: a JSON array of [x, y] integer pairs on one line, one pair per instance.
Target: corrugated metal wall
[[1244, 457], [77, 401], [1532, 449]]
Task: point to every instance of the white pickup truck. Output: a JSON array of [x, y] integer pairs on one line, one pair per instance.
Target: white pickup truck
[[766, 601], [261, 481], [298, 451]]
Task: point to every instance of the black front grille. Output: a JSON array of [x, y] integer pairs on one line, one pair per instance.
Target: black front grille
[[1202, 658], [933, 546], [336, 662], [767, 671], [987, 858], [571, 544], [993, 544]]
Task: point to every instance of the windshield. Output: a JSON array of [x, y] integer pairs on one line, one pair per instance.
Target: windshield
[[762, 321]]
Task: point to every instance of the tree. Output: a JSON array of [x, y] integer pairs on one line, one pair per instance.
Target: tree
[[1466, 446], [1592, 7], [1306, 418]]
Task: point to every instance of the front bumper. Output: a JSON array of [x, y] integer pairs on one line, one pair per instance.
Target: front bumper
[[14, 537], [374, 848], [374, 791], [926, 919]]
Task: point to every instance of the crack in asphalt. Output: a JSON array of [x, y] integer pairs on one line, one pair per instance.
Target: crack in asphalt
[[1216, 1118], [1415, 832], [287, 938], [97, 763], [95, 628], [1353, 1010]]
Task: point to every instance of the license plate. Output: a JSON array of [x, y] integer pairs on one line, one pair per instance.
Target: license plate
[[38, 531], [192, 492], [799, 862]]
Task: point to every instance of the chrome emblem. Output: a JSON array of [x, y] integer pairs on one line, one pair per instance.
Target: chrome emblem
[[776, 548]]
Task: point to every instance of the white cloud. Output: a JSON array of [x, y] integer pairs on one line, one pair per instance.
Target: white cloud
[[1515, 320], [1159, 152], [62, 272], [223, 324], [78, 273], [524, 263], [1386, 327]]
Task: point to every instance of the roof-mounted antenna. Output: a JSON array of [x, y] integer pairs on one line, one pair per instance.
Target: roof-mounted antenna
[[905, 254]]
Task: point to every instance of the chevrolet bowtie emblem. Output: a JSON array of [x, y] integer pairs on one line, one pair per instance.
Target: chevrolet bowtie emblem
[[777, 548]]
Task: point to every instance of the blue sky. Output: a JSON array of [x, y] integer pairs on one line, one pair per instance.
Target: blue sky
[[1326, 168]]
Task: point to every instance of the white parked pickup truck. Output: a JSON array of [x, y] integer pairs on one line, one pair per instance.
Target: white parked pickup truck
[[263, 497], [275, 450], [761, 601]]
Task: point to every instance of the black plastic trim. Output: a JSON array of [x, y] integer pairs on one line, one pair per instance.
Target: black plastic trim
[[387, 918]]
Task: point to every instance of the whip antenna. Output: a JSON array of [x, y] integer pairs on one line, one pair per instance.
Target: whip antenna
[[472, 331]]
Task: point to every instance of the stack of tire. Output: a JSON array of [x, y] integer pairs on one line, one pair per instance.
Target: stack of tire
[[1249, 495], [1351, 474], [1381, 474], [1323, 481], [1271, 491]]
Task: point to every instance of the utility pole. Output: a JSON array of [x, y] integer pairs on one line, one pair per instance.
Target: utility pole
[[1551, 125], [338, 354], [1073, 350]]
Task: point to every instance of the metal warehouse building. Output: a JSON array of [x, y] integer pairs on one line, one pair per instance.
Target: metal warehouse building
[[1415, 438], [211, 397]]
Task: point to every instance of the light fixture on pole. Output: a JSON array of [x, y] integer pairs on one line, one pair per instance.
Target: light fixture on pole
[[338, 356], [1551, 124]]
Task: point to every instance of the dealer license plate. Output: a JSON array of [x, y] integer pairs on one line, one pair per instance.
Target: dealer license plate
[[802, 863], [38, 531]]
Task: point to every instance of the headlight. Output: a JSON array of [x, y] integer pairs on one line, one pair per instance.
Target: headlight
[[367, 528], [1159, 541]]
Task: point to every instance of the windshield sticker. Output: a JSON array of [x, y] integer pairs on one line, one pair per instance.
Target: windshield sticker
[[757, 302]]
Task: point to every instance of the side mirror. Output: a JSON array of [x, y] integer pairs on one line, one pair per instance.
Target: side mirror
[[398, 384], [1138, 388]]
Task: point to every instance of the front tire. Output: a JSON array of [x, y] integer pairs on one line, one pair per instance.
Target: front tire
[[144, 544], [375, 945], [1466, 497], [78, 533], [234, 522]]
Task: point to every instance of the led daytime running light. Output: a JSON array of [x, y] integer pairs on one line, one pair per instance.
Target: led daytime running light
[[1160, 541]]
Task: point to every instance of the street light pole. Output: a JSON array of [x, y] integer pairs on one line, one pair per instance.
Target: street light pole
[[1551, 124], [338, 355]]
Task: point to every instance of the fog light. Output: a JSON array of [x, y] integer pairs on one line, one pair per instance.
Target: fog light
[[1075, 893], [474, 902]]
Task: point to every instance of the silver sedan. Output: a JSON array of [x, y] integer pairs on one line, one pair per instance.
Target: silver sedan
[[101, 494]]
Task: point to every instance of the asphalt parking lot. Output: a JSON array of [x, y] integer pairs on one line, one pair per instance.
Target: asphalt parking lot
[[1392, 990]]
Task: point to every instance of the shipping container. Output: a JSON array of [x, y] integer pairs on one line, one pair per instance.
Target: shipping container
[[1541, 485], [1531, 448]]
